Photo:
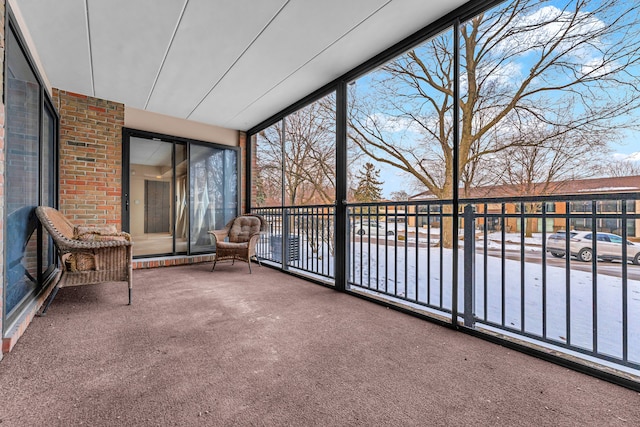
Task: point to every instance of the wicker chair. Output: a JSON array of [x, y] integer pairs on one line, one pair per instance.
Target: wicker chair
[[88, 255], [243, 234]]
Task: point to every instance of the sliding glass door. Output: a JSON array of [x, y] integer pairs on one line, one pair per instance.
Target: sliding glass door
[[157, 177], [178, 189], [214, 192]]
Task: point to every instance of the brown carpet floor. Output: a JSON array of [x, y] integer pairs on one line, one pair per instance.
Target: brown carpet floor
[[229, 348]]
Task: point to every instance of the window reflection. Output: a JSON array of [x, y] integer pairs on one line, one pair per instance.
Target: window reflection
[[214, 193], [22, 176]]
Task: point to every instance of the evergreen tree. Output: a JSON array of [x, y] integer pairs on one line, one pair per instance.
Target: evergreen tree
[[369, 188]]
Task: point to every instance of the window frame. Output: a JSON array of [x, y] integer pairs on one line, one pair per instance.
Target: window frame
[[45, 104], [127, 133]]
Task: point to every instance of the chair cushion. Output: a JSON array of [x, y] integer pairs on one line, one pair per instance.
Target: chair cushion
[[243, 228], [82, 230], [80, 262], [104, 233], [232, 245]]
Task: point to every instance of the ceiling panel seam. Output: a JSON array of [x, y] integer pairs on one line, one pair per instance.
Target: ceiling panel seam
[[166, 53], [307, 62], [86, 14], [239, 57]]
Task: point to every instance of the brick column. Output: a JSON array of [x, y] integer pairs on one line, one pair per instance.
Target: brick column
[[90, 158]]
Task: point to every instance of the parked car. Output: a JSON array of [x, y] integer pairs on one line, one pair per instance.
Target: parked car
[[608, 246], [373, 228]]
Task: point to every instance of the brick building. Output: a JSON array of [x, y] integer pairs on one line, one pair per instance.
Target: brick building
[[557, 207]]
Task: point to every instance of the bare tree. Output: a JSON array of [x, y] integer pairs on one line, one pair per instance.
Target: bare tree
[[296, 159], [546, 163], [299, 154], [399, 196], [618, 168], [268, 167], [310, 155], [572, 68]]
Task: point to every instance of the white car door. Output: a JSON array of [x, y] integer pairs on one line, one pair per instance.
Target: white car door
[[616, 245], [606, 247]]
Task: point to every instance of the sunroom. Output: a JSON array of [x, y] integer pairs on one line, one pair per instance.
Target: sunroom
[[427, 158]]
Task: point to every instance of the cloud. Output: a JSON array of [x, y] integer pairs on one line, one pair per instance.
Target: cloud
[[626, 157], [597, 68], [548, 24], [633, 157]]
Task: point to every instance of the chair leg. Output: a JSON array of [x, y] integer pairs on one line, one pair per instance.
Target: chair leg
[[48, 302], [249, 262], [129, 296], [214, 263]]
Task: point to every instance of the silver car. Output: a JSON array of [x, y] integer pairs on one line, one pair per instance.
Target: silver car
[[373, 228], [608, 246]]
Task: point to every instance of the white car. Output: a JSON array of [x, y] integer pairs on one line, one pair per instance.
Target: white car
[[608, 246], [372, 228]]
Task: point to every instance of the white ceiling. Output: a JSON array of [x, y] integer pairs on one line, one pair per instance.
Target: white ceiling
[[230, 63]]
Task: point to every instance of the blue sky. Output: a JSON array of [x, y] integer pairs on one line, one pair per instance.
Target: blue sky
[[627, 147]]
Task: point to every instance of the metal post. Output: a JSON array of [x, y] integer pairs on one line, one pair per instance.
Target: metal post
[[341, 258], [456, 173], [285, 239], [469, 265]]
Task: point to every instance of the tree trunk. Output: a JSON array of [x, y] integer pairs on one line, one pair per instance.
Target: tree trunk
[[447, 233], [530, 225]]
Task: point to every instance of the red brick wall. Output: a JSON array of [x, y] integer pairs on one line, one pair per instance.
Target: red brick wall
[[90, 158]]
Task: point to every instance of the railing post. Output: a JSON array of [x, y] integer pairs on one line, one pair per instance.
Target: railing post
[[285, 239], [340, 230], [469, 265]]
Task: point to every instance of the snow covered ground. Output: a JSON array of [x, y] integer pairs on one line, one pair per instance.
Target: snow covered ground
[[537, 307], [406, 276]]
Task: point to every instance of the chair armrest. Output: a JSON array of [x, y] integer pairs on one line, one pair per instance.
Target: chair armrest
[[70, 245], [219, 235], [254, 238]]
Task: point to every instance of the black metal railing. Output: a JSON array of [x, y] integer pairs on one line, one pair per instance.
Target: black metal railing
[[396, 250], [521, 285], [300, 238], [493, 270]]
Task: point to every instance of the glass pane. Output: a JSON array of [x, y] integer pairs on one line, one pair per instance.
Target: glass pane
[[542, 105], [48, 183], [309, 157], [214, 197], [22, 163], [181, 199], [151, 198], [229, 194], [267, 167], [310, 154], [400, 126], [400, 136]]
